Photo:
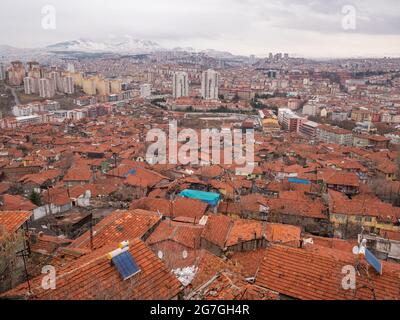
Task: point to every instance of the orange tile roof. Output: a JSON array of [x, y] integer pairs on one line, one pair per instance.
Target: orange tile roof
[[245, 230], [57, 196], [188, 208], [93, 277], [13, 220], [217, 229], [317, 275], [208, 265], [81, 173], [341, 178], [284, 234], [47, 245], [144, 178], [226, 232], [162, 206], [41, 177], [16, 202], [117, 227], [302, 208], [183, 233], [249, 261]]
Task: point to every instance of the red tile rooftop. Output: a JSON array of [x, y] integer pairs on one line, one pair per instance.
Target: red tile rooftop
[[13, 220], [93, 277], [117, 227], [308, 274], [15, 203]]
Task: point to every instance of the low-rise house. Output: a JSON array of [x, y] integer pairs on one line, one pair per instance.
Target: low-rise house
[[387, 170], [117, 226], [39, 181], [310, 215], [345, 182], [54, 200], [223, 235], [140, 181], [177, 244], [78, 176], [350, 217]]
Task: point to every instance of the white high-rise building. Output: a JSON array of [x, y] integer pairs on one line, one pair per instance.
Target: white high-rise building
[[145, 90], [68, 85], [47, 88], [29, 85], [56, 77], [70, 67], [2, 72], [180, 85], [209, 85]]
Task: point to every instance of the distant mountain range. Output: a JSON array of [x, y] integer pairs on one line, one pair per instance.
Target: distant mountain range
[[124, 45]]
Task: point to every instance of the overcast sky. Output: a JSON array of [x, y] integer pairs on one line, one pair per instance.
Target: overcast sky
[[301, 27]]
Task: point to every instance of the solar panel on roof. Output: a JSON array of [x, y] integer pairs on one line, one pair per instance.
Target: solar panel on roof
[[373, 261], [126, 265]]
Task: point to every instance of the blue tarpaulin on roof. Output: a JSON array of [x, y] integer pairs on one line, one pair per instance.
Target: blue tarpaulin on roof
[[130, 172], [300, 181], [209, 197]]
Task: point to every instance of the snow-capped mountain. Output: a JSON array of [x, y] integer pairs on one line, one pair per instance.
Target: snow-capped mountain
[[217, 54], [115, 45]]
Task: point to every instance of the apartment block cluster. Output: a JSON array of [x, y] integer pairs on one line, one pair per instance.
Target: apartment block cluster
[[316, 132], [40, 81], [50, 111]]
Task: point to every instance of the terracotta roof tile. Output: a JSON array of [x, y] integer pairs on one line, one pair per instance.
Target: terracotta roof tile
[[317, 275], [93, 277], [117, 227], [13, 220]]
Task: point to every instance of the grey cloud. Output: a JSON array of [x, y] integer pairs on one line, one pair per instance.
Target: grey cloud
[[229, 24]]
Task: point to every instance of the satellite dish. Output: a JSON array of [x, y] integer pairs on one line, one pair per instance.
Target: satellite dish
[[356, 250], [184, 254], [160, 254]]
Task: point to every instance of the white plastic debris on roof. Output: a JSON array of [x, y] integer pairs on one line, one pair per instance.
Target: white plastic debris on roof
[[185, 275]]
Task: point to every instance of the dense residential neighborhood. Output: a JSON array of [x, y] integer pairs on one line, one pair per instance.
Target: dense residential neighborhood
[[265, 169]]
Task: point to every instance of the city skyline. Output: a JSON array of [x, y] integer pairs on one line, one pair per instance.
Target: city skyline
[[305, 29]]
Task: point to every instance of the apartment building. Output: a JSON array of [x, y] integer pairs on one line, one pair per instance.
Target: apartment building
[[308, 129], [16, 73], [46, 88], [145, 91], [329, 134], [180, 85], [289, 120], [209, 85]]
